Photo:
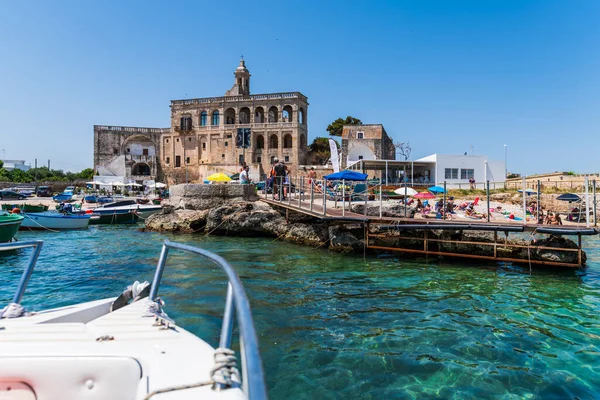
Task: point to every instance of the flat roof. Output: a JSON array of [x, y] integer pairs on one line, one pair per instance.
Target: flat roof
[[382, 164]]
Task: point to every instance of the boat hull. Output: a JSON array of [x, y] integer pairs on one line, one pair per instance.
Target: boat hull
[[111, 218], [144, 211], [55, 221], [9, 225]]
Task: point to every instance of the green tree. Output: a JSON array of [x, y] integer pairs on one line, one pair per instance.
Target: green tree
[[1, 164], [87, 174], [320, 151], [335, 128]]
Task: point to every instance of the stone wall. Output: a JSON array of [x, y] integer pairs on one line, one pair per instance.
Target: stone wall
[[203, 197]]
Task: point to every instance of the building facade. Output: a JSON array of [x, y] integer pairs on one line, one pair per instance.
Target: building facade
[[366, 142], [202, 137]]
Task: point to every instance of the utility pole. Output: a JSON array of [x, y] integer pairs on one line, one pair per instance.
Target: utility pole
[[48, 165]]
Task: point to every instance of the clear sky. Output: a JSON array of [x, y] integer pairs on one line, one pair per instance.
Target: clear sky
[[444, 75]]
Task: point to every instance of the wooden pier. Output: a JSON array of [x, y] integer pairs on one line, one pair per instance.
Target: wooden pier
[[404, 232]]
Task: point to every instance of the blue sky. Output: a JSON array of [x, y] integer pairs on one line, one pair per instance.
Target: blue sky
[[444, 75]]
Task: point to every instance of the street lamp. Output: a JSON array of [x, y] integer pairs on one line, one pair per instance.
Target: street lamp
[[505, 163]]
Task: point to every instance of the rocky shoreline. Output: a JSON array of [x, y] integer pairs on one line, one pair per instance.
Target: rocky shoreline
[[236, 210]]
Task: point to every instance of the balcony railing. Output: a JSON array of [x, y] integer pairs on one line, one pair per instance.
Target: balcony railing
[[132, 129], [140, 158], [268, 96]]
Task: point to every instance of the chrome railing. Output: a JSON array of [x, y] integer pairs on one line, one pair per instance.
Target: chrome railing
[[252, 370], [35, 253]]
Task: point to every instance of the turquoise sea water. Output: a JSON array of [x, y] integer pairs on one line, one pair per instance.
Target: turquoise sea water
[[337, 326]]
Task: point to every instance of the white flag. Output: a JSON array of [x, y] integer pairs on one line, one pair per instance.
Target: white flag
[[334, 155]]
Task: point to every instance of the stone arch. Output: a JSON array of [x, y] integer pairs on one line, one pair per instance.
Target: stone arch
[[259, 115], [273, 142], [144, 141], [244, 115], [302, 141], [260, 142], [229, 116], [288, 114], [360, 153], [140, 168], [287, 141], [302, 116], [273, 114]]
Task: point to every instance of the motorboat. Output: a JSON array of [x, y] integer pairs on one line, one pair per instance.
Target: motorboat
[[51, 220], [126, 347], [143, 210], [9, 225]]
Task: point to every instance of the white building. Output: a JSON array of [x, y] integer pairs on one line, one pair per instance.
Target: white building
[[9, 165], [456, 170]]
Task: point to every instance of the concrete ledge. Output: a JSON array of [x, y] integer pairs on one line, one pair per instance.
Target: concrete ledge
[[202, 197]]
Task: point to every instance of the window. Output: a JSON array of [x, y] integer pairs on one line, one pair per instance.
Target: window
[[168, 160], [287, 158], [178, 139], [228, 136], [360, 157], [226, 144], [185, 123], [215, 120], [177, 161], [360, 135], [145, 152], [467, 173], [451, 173], [187, 160], [259, 159], [129, 151], [203, 146], [222, 155], [167, 140], [115, 151], [189, 139], [203, 118]]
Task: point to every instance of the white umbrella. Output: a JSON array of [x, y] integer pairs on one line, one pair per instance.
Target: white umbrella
[[409, 191], [117, 184], [160, 185], [133, 184]]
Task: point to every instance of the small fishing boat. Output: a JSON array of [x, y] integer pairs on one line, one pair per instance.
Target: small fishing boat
[[126, 347], [55, 220], [33, 207], [114, 217], [9, 225], [143, 210]]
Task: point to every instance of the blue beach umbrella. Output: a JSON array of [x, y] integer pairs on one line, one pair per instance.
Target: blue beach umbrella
[[346, 175], [528, 191], [436, 189]]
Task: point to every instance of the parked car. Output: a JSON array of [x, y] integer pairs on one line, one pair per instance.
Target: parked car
[[11, 195], [44, 191]]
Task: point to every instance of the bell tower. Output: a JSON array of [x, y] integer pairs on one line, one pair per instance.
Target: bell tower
[[241, 87]]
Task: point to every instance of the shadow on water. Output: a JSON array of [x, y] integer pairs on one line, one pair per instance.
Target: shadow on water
[[344, 326]]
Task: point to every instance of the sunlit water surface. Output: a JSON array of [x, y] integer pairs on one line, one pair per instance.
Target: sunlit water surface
[[337, 326]]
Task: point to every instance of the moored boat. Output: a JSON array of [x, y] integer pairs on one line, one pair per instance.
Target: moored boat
[[126, 347], [114, 217], [143, 210], [55, 220], [9, 225]]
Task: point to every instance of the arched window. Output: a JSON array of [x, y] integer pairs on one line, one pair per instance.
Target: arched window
[[301, 119], [273, 114], [287, 114], [245, 115], [287, 141], [273, 142], [259, 115], [215, 117], [260, 142], [203, 117], [229, 116]]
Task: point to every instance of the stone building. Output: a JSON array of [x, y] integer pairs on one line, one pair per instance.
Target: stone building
[[203, 133], [366, 142], [202, 137], [126, 151]]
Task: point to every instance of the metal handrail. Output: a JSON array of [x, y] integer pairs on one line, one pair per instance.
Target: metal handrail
[[252, 369], [35, 253]]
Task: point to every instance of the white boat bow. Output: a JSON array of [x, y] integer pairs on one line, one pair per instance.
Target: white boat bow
[[134, 351]]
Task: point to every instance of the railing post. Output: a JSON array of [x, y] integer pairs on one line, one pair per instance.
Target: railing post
[[299, 190], [488, 200], [289, 194], [380, 200], [324, 197], [366, 196], [35, 253], [159, 272], [312, 194], [343, 198]]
